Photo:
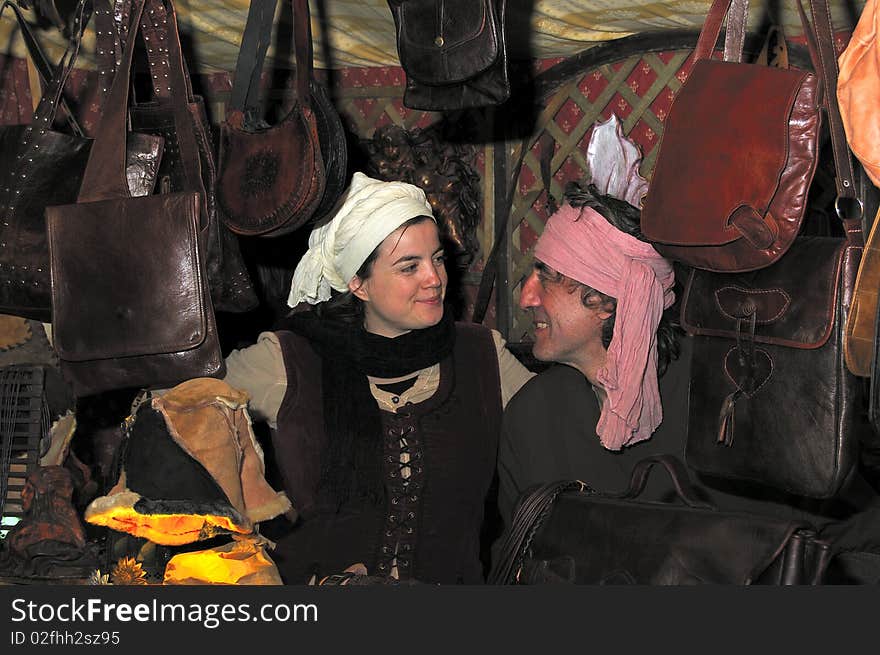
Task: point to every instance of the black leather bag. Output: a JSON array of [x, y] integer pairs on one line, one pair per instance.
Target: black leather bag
[[453, 52], [41, 166], [566, 532], [771, 400]]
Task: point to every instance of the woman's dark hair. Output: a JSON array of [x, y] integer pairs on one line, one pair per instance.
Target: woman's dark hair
[[625, 218], [347, 307]]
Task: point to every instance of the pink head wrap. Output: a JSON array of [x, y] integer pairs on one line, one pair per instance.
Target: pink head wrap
[[583, 245]]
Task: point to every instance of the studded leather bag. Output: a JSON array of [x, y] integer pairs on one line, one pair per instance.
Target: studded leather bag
[[271, 178], [739, 151], [41, 165], [130, 299], [229, 281], [454, 52]]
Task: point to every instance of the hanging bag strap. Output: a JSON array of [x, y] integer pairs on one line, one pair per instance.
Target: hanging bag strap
[[105, 172], [154, 30], [39, 63], [54, 78], [245, 96], [104, 45], [156, 26], [244, 109], [820, 41], [527, 519]]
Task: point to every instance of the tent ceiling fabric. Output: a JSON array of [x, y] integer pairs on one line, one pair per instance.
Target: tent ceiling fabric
[[361, 32]]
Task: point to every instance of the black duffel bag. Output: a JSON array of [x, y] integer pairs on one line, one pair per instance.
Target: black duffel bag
[[567, 532]]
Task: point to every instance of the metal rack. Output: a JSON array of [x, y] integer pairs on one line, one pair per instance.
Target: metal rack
[[24, 426]]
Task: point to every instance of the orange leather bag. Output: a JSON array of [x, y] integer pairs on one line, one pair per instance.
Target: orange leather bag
[[858, 95], [858, 91]]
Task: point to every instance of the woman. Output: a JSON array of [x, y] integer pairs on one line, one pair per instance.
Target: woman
[[384, 412]]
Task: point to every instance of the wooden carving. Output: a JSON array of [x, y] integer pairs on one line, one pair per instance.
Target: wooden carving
[[444, 170]]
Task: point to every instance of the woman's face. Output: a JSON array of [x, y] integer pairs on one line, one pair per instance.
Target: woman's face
[[407, 283]]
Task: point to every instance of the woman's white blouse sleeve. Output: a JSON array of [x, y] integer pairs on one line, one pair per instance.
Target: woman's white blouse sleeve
[[259, 370], [513, 373]]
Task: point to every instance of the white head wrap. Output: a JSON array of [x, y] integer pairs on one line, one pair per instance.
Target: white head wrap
[[370, 211]]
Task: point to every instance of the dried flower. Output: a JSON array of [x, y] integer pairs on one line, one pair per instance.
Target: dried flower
[[98, 578], [128, 571]]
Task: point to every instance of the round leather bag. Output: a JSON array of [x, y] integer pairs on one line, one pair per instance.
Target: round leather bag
[[270, 181]]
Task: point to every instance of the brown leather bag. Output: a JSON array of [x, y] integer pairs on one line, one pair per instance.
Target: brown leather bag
[[271, 179], [771, 401], [737, 156], [41, 165], [130, 299]]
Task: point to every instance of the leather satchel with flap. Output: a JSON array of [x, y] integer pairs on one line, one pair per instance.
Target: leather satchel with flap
[[771, 400], [738, 154], [453, 52], [130, 298]]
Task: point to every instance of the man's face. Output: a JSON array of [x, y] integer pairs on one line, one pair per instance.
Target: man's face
[[565, 330]]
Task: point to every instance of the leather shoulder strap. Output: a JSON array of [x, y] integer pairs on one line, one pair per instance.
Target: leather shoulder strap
[[105, 172], [54, 79], [251, 55], [530, 513], [820, 41], [244, 104]]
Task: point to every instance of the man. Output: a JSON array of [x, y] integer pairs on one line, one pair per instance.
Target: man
[[597, 294], [618, 391]]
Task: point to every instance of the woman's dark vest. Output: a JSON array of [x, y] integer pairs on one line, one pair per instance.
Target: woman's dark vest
[[434, 517]]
